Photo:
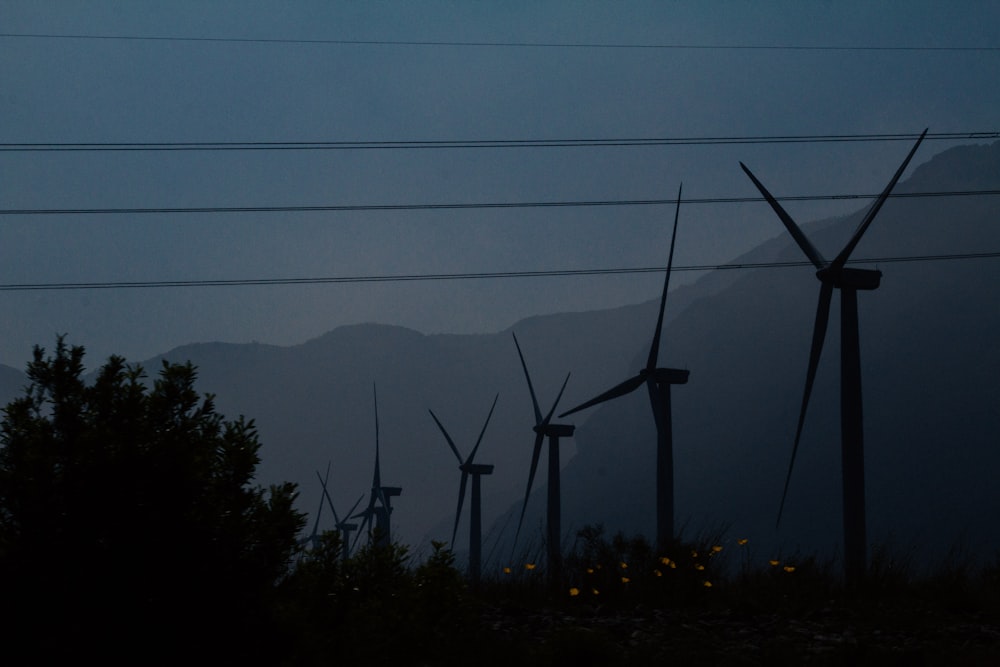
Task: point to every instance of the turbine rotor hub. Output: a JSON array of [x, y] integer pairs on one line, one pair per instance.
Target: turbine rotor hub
[[670, 375], [858, 279]]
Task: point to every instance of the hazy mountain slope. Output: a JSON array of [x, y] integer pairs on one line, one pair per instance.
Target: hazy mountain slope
[[930, 355], [12, 384], [930, 361], [313, 402]]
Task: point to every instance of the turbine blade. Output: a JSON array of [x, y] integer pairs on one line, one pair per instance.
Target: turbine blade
[[531, 389], [626, 387], [536, 452], [654, 401], [446, 436], [654, 349], [368, 508], [808, 248], [458, 512], [558, 396], [841, 259], [358, 502], [819, 334], [319, 510], [481, 433], [362, 528], [326, 494]]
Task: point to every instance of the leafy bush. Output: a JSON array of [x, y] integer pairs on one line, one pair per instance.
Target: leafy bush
[[128, 517]]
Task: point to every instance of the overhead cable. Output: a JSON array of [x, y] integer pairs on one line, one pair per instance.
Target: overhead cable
[[46, 147], [470, 205], [501, 44], [246, 282]]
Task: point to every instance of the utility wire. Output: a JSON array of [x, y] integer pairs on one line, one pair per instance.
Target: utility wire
[[472, 205], [501, 44], [477, 143], [22, 287]]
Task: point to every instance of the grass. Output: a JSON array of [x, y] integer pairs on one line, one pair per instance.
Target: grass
[[621, 602]]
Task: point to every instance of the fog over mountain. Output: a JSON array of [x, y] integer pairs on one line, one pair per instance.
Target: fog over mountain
[[930, 354]]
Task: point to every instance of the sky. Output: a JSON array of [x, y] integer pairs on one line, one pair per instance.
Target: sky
[[194, 72]]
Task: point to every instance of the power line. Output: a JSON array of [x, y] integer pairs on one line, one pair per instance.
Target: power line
[[470, 205], [42, 147], [501, 44], [22, 287]]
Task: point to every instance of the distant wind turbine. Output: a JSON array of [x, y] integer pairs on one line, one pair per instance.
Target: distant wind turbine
[[543, 428], [379, 501], [345, 527], [834, 275], [657, 381], [475, 470], [312, 541]]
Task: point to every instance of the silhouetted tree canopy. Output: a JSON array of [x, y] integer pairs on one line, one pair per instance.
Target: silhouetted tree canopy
[[129, 519]]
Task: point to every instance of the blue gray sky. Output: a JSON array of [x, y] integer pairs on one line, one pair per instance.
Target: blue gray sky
[[239, 82]]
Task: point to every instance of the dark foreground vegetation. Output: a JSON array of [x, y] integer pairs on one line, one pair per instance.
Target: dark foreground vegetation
[[131, 533], [622, 604]]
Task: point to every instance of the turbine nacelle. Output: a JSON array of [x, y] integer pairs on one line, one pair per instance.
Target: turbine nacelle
[[666, 375], [392, 491], [554, 430], [476, 468], [857, 279]]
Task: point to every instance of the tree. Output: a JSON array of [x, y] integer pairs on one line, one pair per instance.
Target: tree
[[129, 518]]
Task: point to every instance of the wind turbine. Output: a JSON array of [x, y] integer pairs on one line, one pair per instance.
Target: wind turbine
[[476, 470], [543, 428], [657, 381], [345, 527], [313, 539], [379, 494], [834, 275]]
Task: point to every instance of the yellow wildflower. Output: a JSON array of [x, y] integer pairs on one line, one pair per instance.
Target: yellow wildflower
[[717, 548], [789, 568], [665, 560], [657, 573], [574, 591], [625, 580], [506, 570], [774, 563], [742, 541], [623, 565], [699, 567], [707, 584], [590, 570], [529, 566], [595, 591]]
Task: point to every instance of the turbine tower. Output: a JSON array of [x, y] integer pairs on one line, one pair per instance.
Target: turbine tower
[[835, 275], [345, 527], [544, 429], [658, 382], [475, 470], [380, 501]]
